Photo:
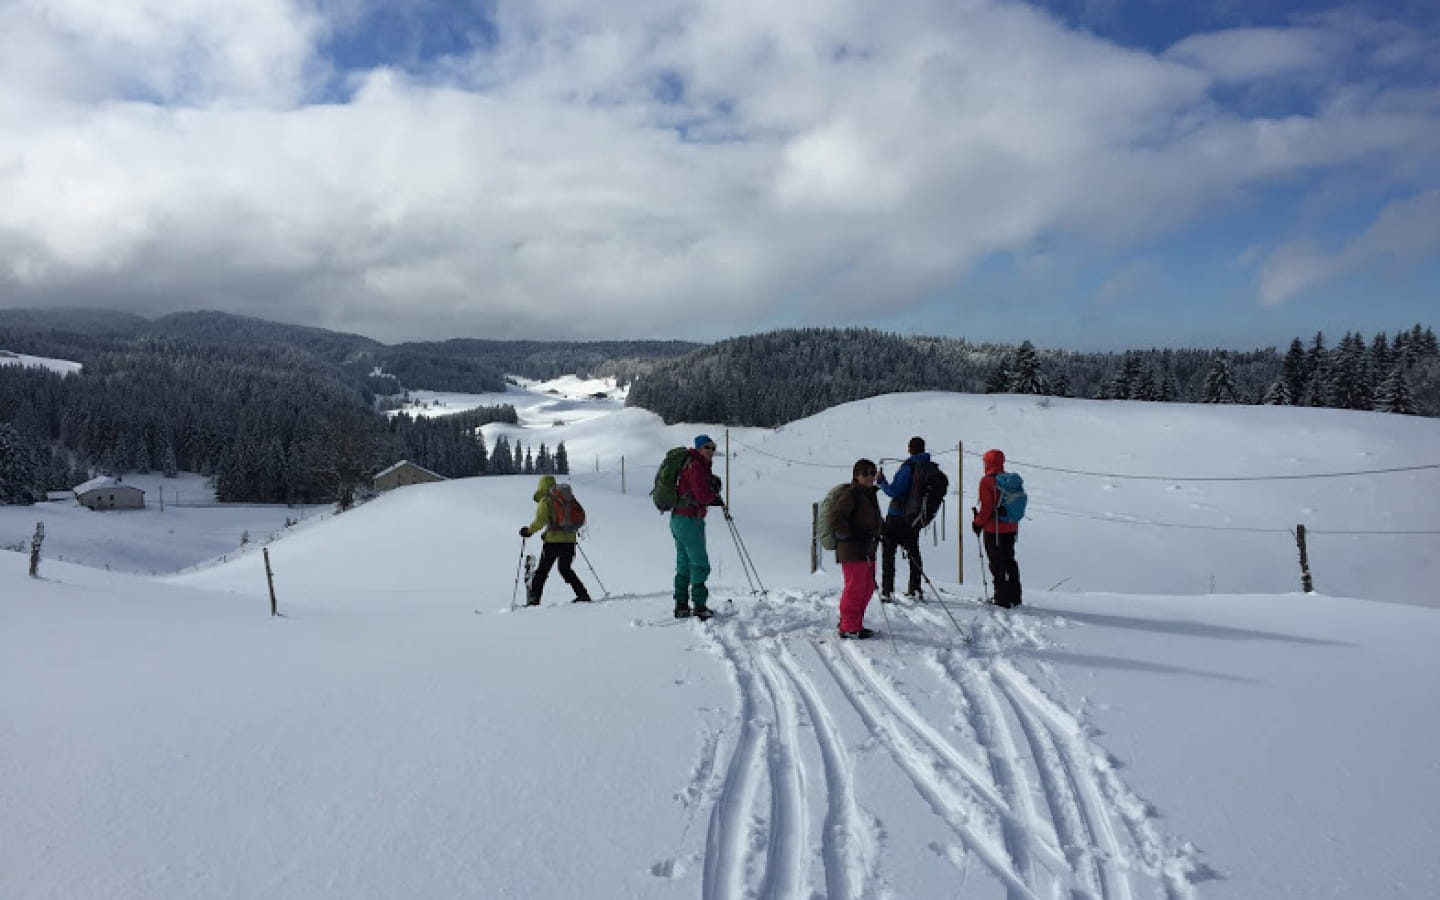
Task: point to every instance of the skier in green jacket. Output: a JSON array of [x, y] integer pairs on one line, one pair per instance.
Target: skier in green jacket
[[559, 544]]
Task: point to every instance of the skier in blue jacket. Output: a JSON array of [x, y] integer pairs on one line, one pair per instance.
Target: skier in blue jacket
[[898, 530]]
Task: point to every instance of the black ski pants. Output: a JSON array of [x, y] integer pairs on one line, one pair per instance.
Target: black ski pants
[[562, 552], [898, 533], [1000, 548]]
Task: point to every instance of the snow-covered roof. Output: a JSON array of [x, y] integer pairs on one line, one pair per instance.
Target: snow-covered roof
[[104, 481], [406, 462]]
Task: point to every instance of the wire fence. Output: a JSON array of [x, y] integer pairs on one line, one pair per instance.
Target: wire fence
[[819, 488]]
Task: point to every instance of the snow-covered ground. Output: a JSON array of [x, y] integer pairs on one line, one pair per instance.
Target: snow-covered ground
[[1167, 716], [180, 526], [538, 404], [63, 366]]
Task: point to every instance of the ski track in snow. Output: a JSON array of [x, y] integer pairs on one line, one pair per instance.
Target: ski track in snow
[[1015, 784]]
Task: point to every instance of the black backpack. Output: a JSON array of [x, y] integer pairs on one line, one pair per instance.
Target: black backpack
[[928, 486]]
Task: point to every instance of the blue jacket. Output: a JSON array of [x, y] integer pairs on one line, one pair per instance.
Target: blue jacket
[[899, 490]]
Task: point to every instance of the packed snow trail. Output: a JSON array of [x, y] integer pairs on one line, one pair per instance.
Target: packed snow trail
[[1005, 779]]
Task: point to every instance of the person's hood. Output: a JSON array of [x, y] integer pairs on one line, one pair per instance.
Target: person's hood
[[546, 483], [994, 461]]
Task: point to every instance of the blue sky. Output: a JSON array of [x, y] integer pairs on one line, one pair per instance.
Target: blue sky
[[1090, 174]]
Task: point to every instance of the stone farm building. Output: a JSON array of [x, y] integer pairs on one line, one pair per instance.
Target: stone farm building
[[402, 473], [109, 493]]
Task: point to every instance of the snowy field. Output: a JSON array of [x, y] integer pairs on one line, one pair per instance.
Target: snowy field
[[181, 526], [62, 366], [1167, 716], [538, 404]]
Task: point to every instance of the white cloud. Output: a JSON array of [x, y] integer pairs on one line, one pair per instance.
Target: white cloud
[[1405, 232], [1248, 54], [835, 158]]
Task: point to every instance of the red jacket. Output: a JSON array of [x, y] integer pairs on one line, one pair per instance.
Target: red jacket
[[988, 516], [696, 495]]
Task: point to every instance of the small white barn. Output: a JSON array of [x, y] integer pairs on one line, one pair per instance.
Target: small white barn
[[109, 493], [402, 473]]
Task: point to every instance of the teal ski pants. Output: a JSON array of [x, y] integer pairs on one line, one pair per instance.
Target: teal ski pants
[[692, 562]]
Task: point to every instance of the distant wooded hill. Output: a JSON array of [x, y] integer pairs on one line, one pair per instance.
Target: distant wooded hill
[[283, 413], [273, 412], [777, 377]]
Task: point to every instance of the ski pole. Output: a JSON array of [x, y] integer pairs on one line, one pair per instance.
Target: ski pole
[[888, 629], [746, 562], [938, 599], [592, 570], [980, 555], [519, 564]]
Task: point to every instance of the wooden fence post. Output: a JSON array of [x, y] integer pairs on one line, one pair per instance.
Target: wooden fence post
[[1306, 582], [727, 468], [960, 512], [814, 537], [270, 579]]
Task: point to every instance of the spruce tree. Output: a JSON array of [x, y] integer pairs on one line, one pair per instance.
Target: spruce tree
[[19, 477], [1295, 371], [1220, 383], [501, 462], [998, 381], [1025, 374], [562, 460], [1278, 394], [1393, 395], [1145, 387], [1349, 381]]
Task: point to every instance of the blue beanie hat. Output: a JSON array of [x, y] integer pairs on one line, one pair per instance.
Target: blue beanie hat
[[701, 440]]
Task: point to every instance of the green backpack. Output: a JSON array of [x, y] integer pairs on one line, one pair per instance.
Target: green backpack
[[827, 507], [666, 492]]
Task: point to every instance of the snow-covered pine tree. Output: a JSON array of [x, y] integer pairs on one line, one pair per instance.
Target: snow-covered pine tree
[[1025, 374], [562, 460], [1295, 371], [1219, 382], [501, 462], [1393, 395], [19, 476], [1349, 383], [1145, 387], [998, 382], [1278, 394]]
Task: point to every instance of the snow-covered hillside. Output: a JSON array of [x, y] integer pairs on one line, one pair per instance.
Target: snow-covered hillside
[[62, 366], [1168, 716]]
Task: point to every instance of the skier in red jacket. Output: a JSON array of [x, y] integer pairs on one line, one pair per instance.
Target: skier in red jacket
[[1000, 536]]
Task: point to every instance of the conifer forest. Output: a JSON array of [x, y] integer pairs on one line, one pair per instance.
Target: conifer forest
[[284, 414]]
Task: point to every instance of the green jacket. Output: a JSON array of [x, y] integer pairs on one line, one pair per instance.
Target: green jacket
[[542, 514]]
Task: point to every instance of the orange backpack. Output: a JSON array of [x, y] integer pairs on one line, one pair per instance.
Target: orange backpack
[[566, 513]]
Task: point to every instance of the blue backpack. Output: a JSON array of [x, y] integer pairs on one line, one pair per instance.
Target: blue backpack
[[1011, 488]]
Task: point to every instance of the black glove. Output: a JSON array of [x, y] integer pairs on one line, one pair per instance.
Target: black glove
[[718, 501], [524, 530], [715, 483], [975, 527]]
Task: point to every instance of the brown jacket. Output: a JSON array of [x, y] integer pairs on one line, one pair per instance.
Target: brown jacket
[[856, 515]]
